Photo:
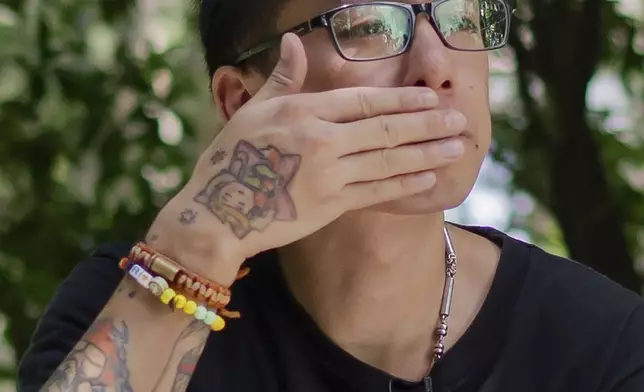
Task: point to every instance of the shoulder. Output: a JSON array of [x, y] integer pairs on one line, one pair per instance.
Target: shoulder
[[584, 323], [625, 372], [576, 288], [548, 279], [595, 316], [77, 302]]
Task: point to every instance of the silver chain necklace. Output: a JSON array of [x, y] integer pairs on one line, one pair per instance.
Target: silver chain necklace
[[446, 305]]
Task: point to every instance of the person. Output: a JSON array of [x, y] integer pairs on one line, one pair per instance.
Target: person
[[346, 138]]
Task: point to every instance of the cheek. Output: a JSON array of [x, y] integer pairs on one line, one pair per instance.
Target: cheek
[[474, 69], [473, 95], [328, 71]]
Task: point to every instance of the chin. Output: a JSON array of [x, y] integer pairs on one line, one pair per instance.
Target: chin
[[452, 188]]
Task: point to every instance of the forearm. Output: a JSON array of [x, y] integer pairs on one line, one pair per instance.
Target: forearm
[[136, 344]]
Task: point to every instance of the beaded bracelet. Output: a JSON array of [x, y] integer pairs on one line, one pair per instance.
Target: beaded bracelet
[[160, 288], [216, 295], [168, 280], [216, 301]]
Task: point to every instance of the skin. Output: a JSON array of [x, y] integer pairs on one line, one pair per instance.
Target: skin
[[236, 196], [389, 255], [349, 182]]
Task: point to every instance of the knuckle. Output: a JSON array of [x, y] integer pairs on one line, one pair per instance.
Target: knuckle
[[389, 135], [333, 181], [302, 141], [315, 139], [385, 164], [289, 109], [325, 183], [280, 78], [324, 137], [365, 103]]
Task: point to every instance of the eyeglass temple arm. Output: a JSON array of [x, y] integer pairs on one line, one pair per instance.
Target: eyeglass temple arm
[[300, 29]]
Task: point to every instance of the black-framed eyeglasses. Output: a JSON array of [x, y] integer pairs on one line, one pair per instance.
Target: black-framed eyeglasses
[[381, 29]]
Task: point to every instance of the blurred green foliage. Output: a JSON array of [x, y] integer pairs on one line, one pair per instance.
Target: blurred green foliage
[[561, 152], [82, 97], [100, 116]]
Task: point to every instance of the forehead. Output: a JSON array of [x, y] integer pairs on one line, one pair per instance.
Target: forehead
[[298, 11]]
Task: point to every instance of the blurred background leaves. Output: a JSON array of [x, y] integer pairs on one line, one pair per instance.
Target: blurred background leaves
[[97, 125], [104, 105]]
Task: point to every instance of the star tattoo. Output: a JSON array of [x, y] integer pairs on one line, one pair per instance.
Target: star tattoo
[[218, 156], [188, 216], [252, 191]]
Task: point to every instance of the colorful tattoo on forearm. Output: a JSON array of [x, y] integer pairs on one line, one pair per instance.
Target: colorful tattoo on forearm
[[97, 363], [183, 361]]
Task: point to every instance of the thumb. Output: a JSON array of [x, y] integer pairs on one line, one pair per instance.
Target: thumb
[[290, 71]]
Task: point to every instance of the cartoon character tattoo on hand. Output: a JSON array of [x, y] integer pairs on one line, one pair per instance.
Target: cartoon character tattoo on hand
[[252, 191]]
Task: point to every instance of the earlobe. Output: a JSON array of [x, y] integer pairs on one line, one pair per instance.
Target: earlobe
[[231, 89]]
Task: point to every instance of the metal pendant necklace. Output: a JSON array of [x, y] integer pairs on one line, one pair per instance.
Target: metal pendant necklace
[[446, 304]]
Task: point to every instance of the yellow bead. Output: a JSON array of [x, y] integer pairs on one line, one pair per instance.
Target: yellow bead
[[180, 302], [219, 324], [167, 296], [190, 307]]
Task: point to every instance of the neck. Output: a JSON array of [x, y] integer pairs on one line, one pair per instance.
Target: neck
[[373, 282]]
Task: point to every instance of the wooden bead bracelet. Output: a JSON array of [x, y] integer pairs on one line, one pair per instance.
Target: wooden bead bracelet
[[215, 294], [169, 281]]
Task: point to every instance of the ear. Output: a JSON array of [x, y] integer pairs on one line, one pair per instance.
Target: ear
[[232, 88]]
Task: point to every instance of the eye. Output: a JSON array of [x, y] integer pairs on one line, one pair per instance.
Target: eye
[[363, 29]]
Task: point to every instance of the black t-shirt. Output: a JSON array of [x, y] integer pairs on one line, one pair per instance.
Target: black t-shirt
[[547, 324]]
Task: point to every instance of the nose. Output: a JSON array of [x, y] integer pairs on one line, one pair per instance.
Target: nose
[[429, 60]]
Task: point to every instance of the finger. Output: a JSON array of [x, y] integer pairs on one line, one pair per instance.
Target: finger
[[289, 73], [352, 104], [398, 129], [361, 195], [385, 163]]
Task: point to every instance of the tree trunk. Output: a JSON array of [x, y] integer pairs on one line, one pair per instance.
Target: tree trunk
[[566, 55], [581, 199]]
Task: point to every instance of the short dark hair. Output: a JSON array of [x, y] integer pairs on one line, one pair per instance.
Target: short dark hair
[[229, 27]]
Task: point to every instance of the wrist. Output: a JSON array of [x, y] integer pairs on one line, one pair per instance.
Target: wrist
[[208, 259], [199, 247]]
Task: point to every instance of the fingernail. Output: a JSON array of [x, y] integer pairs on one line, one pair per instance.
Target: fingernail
[[285, 49], [455, 120], [424, 179], [452, 148], [428, 99]]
